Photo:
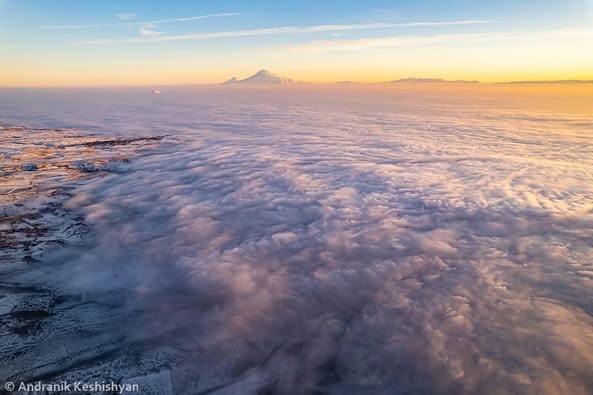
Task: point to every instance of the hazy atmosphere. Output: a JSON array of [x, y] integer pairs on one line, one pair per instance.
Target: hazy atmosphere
[[296, 198]]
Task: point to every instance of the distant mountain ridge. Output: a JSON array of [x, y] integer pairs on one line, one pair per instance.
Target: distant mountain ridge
[[431, 81], [550, 82], [261, 77], [265, 77]]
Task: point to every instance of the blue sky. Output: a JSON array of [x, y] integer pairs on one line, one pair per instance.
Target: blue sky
[[151, 40]]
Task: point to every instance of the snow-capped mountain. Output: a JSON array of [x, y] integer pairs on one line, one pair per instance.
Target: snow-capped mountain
[[261, 77], [231, 81]]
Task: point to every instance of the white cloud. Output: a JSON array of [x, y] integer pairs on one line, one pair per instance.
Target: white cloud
[[140, 23], [148, 31], [283, 30], [125, 16], [397, 41]]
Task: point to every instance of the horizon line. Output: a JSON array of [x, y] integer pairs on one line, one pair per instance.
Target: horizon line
[[421, 81]]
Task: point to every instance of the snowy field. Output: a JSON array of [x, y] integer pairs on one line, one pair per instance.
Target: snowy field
[[330, 240]]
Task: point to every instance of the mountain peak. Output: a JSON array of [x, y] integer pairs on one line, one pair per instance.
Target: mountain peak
[[231, 81], [261, 77]]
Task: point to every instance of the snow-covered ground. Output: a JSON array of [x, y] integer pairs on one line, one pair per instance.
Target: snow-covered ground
[[344, 240]]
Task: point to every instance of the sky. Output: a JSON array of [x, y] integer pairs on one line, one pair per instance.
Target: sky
[[95, 43]]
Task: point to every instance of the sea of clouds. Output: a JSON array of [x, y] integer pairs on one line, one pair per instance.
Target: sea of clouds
[[343, 240]]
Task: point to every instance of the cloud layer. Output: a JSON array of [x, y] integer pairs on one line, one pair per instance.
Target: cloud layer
[[350, 242]]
